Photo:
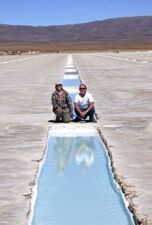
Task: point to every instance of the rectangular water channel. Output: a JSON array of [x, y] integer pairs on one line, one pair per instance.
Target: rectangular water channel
[[75, 185], [71, 82]]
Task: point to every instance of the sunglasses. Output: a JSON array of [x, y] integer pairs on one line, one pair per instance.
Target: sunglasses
[[82, 88]]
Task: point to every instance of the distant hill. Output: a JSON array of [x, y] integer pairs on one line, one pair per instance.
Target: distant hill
[[127, 29]]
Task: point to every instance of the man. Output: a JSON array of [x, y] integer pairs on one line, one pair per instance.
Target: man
[[84, 105], [84, 152], [62, 104]]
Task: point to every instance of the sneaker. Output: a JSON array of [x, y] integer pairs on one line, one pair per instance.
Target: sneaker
[[77, 119], [93, 121], [58, 119], [83, 121]]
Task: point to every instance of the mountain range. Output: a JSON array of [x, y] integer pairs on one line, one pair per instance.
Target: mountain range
[[125, 29]]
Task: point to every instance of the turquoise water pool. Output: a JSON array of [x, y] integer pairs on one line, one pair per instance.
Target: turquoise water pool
[[71, 82], [75, 186]]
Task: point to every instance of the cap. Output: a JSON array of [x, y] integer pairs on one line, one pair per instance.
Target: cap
[[57, 84]]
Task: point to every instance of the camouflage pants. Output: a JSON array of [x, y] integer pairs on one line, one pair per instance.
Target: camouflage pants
[[62, 116]]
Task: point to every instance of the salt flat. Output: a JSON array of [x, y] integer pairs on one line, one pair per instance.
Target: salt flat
[[123, 95], [122, 87], [25, 90]]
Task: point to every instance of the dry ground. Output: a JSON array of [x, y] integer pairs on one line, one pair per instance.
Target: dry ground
[[19, 47], [122, 87]]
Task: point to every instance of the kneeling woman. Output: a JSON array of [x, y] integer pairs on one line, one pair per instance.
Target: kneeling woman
[[62, 104]]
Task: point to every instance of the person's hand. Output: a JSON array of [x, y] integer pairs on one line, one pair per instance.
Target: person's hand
[[59, 110], [82, 114], [65, 106]]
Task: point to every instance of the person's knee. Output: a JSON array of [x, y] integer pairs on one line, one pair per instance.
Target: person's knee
[[66, 117], [58, 113], [76, 112], [92, 111]]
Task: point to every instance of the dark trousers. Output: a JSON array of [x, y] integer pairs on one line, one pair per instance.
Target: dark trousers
[[91, 114]]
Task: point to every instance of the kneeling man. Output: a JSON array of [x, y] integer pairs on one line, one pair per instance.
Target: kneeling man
[[84, 105]]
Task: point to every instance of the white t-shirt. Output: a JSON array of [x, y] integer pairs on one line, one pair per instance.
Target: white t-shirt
[[83, 102]]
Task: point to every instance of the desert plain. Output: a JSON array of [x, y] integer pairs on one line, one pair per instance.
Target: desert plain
[[121, 84]]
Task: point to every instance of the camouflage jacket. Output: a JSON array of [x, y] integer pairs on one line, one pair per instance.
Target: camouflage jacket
[[62, 101]]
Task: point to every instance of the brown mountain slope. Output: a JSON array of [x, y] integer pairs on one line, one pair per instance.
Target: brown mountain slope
[[129, 29]]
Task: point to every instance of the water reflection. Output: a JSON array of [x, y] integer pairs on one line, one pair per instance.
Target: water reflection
[[74, 199], [84, 153], [62, 150], [83, 149]]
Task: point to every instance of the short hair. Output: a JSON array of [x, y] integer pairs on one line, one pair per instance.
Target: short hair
[[83, 85]]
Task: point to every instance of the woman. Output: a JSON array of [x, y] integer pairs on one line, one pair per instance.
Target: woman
[[62, 104]]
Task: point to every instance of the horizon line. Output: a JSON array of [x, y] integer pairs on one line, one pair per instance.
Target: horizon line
[[70, 24]]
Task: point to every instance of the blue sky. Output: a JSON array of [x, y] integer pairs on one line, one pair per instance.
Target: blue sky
[[55, 12]]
